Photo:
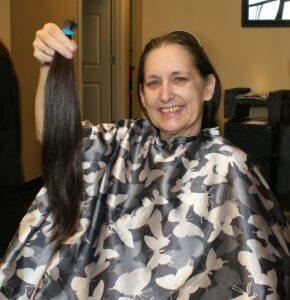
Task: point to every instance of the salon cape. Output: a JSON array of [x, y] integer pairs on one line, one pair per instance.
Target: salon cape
[[184, 218]]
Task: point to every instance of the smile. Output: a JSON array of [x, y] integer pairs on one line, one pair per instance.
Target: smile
[[171, 109]]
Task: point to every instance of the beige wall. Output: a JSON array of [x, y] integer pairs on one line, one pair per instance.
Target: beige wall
[[5, 22], [258, 58], [26, 17], [252, 57]]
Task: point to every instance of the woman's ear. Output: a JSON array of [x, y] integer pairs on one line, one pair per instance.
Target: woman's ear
[[209, 87]]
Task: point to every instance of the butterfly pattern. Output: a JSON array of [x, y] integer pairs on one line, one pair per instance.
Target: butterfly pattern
[[184, 218]]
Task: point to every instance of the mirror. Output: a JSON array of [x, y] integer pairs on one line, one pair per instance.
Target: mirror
[[266, 13]]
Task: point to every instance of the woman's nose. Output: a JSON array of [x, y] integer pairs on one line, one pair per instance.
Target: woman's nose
[[166, 92]]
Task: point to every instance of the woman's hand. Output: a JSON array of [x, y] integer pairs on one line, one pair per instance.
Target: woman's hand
[[50, 39]]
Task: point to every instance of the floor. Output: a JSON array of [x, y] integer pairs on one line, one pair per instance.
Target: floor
[[14, 204]]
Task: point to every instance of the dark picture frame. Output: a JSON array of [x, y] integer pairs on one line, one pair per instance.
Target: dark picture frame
[[246, 22]]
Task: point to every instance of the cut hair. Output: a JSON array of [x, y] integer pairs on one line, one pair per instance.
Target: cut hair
[[61, 148]]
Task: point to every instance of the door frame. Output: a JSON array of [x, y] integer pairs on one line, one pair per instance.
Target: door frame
[[120, 53], [120, 15]]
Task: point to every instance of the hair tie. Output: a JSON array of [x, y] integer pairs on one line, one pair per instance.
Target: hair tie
[[69, 27], [68, 32]]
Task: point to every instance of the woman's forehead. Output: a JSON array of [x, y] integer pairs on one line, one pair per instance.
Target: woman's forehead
[[169, 57]]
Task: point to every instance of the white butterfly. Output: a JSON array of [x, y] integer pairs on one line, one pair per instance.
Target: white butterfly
[[133, 283], [178, 186], [245, 295], [256, 190], [189, 164], [215, 172], [104, 253], [219, 226], [201, 280], [183, 228], [32, 219], [32, 276], [114, 200], [158, 259], [149, 175], [158, 199], [98, 292], [270, 279], [155, 224], [237, 157], [282, 236], [174, 282], [134, 220], [259, 222], [81, 230], [94, 178], [53, 269], [251, 262], [122, 173], [199, 201], [123, 136], [86, 165], [221, 217], [158, 242], [190, 167], [162, 159], [267, 252], [28, 252], [144, 149], [81, 285]]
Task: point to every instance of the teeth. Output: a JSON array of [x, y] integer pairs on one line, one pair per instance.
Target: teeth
[[170, 109]]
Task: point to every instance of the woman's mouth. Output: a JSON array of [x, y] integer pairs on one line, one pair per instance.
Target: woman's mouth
[[171, 109]]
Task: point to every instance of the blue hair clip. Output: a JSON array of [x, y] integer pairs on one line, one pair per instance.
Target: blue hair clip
[[68, 28], [68, 32]]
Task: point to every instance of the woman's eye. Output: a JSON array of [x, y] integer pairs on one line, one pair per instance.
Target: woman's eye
[[152, 83], [180, 79]]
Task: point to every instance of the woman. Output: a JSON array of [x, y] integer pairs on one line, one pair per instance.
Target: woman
[[10, 145], [185, 214], [10, 164]]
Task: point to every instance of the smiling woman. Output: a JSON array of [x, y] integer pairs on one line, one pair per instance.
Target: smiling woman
[[170, 209], [173, 92]]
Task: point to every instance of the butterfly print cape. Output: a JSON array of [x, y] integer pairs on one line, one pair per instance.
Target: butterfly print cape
[[185, 218]]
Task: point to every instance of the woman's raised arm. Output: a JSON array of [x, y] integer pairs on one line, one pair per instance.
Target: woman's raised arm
[[48, 40]]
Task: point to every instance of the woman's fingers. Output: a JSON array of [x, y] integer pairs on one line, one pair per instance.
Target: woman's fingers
[[50, 39], [42, 52]]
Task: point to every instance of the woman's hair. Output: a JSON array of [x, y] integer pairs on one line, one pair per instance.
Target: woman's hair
[[61, 147], [200, 61]]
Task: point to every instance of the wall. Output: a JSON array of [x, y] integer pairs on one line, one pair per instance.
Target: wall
[[258, 58], [252, 57], [26, 17], [5, 22]]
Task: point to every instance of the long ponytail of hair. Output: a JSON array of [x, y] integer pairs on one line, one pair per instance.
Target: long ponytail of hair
[[61, 147]]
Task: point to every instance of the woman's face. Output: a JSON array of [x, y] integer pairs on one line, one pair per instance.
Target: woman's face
[[173, 91]]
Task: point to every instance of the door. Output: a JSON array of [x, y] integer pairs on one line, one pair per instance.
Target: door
[[96, 61]]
